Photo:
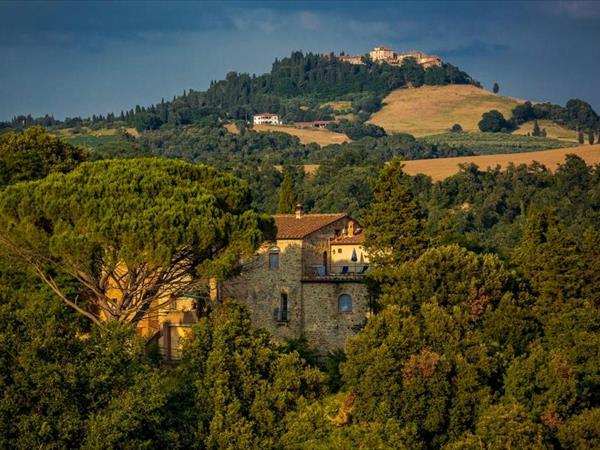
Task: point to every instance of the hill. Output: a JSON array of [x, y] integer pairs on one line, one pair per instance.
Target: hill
[[434, 109], [438, 169], [295, 88], [307, 135]]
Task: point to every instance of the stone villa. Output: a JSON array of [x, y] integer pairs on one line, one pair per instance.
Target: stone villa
[[309, 282], [386, 54]]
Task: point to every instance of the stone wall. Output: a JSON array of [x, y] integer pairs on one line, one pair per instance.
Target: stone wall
[[325, 327], [260, 288]]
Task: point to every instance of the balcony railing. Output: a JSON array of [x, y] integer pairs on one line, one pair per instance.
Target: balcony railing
[[350, 271]]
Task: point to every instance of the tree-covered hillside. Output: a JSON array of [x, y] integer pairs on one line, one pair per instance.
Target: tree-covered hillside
[[294, 88], [484, 330]]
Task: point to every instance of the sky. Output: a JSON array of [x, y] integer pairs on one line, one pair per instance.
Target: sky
[[84, 58]]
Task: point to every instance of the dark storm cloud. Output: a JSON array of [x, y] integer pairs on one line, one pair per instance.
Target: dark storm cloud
[[80, 58], [473, 49]]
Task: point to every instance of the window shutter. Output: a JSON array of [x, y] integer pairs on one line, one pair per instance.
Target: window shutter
[[276, 315]]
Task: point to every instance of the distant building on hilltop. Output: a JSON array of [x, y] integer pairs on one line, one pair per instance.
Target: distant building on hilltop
[[266, 118], [352, 59], [382, 54], [389, 56]]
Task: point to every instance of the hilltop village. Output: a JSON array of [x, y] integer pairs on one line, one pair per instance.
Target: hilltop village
[[385, 54]]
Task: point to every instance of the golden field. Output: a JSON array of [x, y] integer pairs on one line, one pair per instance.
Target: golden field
[[338, 105], [434, 109], [441, 168], [307, 135]]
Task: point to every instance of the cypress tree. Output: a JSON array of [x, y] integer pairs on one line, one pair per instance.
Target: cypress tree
[[287, 196], [591, 137], [394, 221], [536, 129], [580, 137]]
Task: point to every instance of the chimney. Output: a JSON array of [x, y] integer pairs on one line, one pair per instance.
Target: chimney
[[350, 228], [298, 211]]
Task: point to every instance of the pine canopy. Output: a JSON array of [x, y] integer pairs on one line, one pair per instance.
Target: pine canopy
[[133, 233]]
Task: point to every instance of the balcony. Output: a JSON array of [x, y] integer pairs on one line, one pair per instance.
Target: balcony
[[335, 272]]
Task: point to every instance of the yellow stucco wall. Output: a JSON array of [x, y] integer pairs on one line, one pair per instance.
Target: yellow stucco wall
[[341, 255]]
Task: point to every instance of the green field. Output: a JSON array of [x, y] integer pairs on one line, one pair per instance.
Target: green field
[[103, 145], [495, 143], [91, 141]]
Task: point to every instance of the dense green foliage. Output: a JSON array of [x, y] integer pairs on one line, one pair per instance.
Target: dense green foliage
[[575, 115], [394, 221], [35, 154], [485, 210], [356, 129], [161, 221], [239, 384], [494, 122], [66, 387], [218, 146]]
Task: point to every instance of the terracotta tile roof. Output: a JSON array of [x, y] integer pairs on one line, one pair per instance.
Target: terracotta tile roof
[[358, 238], [289, 227]]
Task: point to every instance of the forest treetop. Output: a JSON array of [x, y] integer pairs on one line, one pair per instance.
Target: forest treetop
[[131, 232]]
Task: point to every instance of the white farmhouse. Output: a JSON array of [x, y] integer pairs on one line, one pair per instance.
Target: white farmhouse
[[268, 118]]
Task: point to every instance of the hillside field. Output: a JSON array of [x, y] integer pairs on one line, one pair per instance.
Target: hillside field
[[553, 130], [232, 128], [339, 105], [307, 135], [441, 168], [100, 133], [495, 143], [434, 109]]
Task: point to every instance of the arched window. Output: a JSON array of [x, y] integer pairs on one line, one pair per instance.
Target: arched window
[[273, 258], [345, 303]]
